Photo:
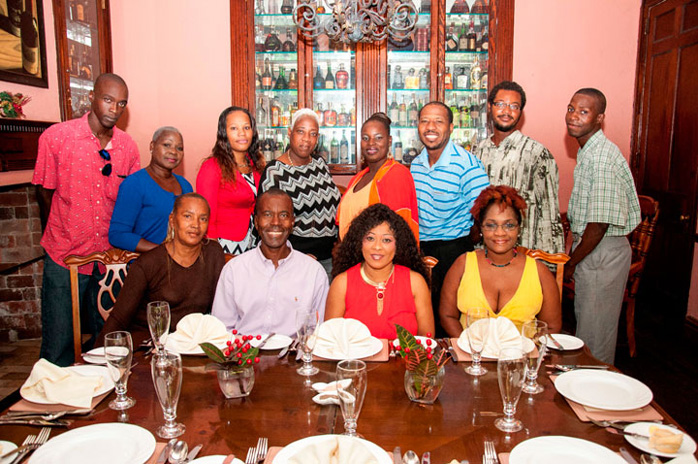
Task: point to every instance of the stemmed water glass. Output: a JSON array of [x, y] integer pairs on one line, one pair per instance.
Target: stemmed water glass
[[351, 390], [158, 313], [118, 351], [306, 323], [478, 326], [511, 372], [534, 335], [167, 378]]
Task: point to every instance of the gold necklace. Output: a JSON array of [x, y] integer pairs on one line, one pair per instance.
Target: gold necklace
[[380, 287]]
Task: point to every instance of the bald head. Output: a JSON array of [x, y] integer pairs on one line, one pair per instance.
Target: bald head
[[109, 99]]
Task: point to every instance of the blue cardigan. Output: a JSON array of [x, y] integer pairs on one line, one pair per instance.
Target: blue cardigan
[[142, 210]]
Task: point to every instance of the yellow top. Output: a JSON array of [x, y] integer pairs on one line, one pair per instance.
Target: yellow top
[[522, 307], [352, 205]]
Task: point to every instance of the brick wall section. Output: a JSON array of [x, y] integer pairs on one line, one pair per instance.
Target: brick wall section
[[20, 288]]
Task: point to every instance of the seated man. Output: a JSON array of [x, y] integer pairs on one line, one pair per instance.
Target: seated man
[[260, 290]]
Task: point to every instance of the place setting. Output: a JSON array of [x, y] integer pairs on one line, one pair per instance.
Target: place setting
[[339, 339]]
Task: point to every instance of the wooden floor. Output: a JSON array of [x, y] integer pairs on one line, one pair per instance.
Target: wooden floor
[[667, 361]]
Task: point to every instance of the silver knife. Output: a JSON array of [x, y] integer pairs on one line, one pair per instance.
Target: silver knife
[[192, 454], [285, 349], [454, 356], [43, 423], [627, 456], [557, 344], [264, 342], [630, 434], [426, 458], [581, 366], [163, 455], [397, 455]]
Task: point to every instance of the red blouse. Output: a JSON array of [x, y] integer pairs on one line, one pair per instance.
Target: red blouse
[[398, 303], [231, 204]]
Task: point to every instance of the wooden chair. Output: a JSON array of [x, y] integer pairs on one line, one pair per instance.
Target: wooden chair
[[558, 259], [640, 241], [116, 262]]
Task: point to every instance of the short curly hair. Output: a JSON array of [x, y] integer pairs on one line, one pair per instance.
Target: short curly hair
[[406, 250], [502, 195]]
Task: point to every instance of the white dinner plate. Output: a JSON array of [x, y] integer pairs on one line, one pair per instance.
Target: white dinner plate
[[557, 449], [84, 369], [275, 342], [95, 356], [420, 338], [568, 342], [215, 459], [375, 347], [382, 457], [464, 345], [6, 447], [110, 443], [688, 446], [603, 389]]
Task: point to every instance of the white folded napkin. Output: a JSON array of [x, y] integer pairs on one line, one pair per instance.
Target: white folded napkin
[[334, 450], [346, 338], [197, 328], [502, 334], [48, 382]]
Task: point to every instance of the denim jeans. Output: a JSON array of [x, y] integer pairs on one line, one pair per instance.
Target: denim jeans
[[57, 311]]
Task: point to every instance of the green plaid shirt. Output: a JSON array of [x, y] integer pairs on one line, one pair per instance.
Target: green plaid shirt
[[604, 190]]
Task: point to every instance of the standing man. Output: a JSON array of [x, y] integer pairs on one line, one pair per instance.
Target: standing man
[[79, 168], [513, 159], [603, 210], [448, 179]]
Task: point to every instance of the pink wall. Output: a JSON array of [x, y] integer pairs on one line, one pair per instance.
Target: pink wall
[[175, 57], [563, 45], [45, 103]]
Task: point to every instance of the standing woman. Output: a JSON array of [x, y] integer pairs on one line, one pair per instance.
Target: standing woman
[[146, 197], [229, 180], [308, 182], [384, 180]]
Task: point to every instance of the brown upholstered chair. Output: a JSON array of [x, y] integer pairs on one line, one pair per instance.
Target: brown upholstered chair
[[640, 241], [558, 259], [116, 262]]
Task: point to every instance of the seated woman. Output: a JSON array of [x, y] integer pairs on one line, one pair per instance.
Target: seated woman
[[146, 197], [384, 180], [182, 271], [380, 278], [307, 180], [497, 277]]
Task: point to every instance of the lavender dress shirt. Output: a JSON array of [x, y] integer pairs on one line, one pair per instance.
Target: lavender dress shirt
[[255, 298]]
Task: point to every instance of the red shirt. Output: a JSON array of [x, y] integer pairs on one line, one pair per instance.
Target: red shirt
[[69, 163], [231, 204]]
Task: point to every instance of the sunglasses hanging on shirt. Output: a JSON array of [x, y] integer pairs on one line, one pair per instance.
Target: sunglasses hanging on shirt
[[106, 170]]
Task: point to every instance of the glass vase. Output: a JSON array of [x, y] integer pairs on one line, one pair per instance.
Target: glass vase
[[236, 382], [424, 389]]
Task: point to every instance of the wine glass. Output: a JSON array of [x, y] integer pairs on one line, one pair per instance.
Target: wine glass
[[478, 326], [158, 313], [534, 335], [351, 390], [306, 323], [511, 372], [118, 351], [167, 378]]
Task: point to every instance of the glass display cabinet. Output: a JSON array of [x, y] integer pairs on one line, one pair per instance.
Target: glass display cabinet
[[457, 48], [83, 38]]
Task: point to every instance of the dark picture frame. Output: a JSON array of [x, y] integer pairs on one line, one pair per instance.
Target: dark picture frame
[[12, 67]]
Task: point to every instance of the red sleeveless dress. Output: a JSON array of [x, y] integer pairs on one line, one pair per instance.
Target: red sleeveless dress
[[398, 303]]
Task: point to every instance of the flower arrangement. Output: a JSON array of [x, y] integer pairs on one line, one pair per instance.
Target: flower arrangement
[[236, 356], [423, 364], [11, 105]]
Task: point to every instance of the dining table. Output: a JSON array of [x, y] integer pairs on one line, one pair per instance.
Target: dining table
[[280, 407]]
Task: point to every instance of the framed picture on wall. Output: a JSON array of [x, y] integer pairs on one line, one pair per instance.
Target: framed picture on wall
[[22, 42]]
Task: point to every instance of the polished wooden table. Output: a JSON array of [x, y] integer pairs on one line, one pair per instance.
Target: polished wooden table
[[280, 407]]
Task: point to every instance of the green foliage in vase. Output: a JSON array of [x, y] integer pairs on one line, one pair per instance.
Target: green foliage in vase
[[422, 361], [238, 355]]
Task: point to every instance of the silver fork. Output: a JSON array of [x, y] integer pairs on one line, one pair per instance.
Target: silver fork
[[490, 452], [27, 441], [251, 453], [262, 448]]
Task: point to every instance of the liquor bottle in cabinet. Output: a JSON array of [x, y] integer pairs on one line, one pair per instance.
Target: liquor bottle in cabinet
[[318, 81], [460, 7], [329, 78], [289, 45], [342, 77], [272, 44]]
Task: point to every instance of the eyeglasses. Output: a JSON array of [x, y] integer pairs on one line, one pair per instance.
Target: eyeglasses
[[512, 106], [106, 170], [493, 226]]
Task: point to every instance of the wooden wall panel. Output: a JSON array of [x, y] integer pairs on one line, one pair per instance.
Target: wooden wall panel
[[242, 53]]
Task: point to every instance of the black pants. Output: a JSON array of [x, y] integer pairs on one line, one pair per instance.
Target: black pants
[[446, 251]]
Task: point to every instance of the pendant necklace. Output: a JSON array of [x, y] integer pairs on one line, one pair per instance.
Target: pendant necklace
[[500, 265], [380, 287]]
